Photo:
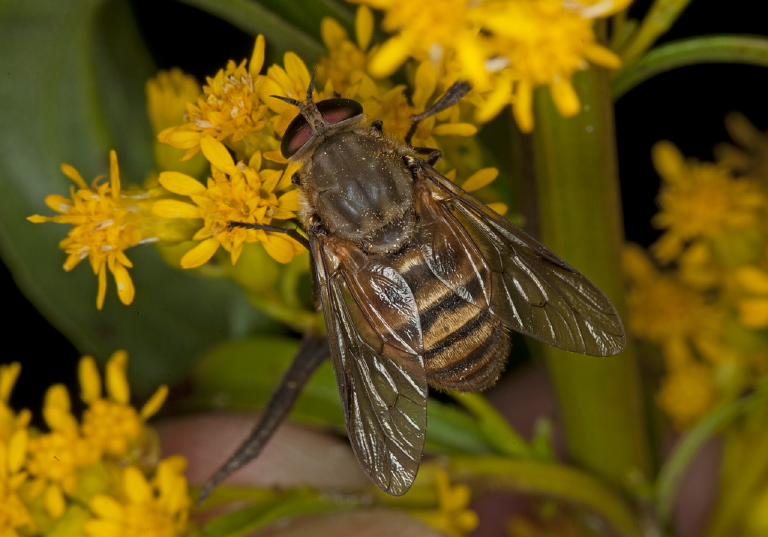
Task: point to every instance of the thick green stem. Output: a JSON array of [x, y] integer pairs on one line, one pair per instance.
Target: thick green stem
[[577, 188]]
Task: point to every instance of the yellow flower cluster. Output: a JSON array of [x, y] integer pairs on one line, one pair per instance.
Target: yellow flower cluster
[[707, 307], [235, 123], [505, 48], [89, 476]]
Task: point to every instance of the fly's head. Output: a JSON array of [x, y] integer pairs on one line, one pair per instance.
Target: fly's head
[[316, 122]]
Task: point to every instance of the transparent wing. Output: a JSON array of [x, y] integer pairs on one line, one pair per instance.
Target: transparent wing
[[534, 292], [376, 347]]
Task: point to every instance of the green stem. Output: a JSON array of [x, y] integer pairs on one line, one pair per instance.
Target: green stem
[[548, 480], [579, 204], [745, 477], [658, 20], [750, 50], [672, 471], [497, 430]]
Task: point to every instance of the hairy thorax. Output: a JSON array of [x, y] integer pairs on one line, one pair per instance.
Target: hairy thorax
[[361, 191]]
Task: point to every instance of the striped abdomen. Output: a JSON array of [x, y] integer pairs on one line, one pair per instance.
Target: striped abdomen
[[465, 346]]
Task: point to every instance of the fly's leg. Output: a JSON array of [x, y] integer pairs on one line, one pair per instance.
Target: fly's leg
[[452, 96], [313, 350], [292, 233]]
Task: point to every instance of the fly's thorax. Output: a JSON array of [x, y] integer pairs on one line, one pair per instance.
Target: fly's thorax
[[358, 186]]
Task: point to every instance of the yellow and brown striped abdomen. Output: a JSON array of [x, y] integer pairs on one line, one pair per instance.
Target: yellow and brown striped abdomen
[[465, 346]]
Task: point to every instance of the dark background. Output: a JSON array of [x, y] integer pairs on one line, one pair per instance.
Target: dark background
[[686, 106]]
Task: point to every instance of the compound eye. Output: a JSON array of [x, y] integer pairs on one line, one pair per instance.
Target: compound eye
[[338, 110], [296, 135], [299, 132]]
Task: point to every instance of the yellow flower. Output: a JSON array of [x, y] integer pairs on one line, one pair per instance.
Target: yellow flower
[[750, 156], [453, 516], [667, 313], [238, 193], [106, 222], [380, 102], [395, 112], [157, 507], [345, 63], [110, 424], [291, 81], [55, 457], [110, 427], [13, 513], [506, 48], [700, 200], [687, 393], [168, 94], [229, 109], [47, 479]]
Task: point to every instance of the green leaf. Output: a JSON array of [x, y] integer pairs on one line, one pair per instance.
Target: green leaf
[[750, 50], [73, 88], [282, 35], [311, 13], [660, 18], [241, 375], [451, 431], [495, 429]]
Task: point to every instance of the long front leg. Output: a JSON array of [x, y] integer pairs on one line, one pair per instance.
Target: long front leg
[[313, 350]]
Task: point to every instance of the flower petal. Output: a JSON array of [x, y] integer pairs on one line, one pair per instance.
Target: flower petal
[[8, 375], [54, 501], [455, 129], [90, 380], [566, 100], [151, 407], [175, 209], [280, 248], [102, 287], [200, 254], [73, 174], [137, 488], [125, 288], [363, 26], [257, 58], [117, 380], [180, 183], [390, 56], [479, 179], [106, 507], [216, 153]]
